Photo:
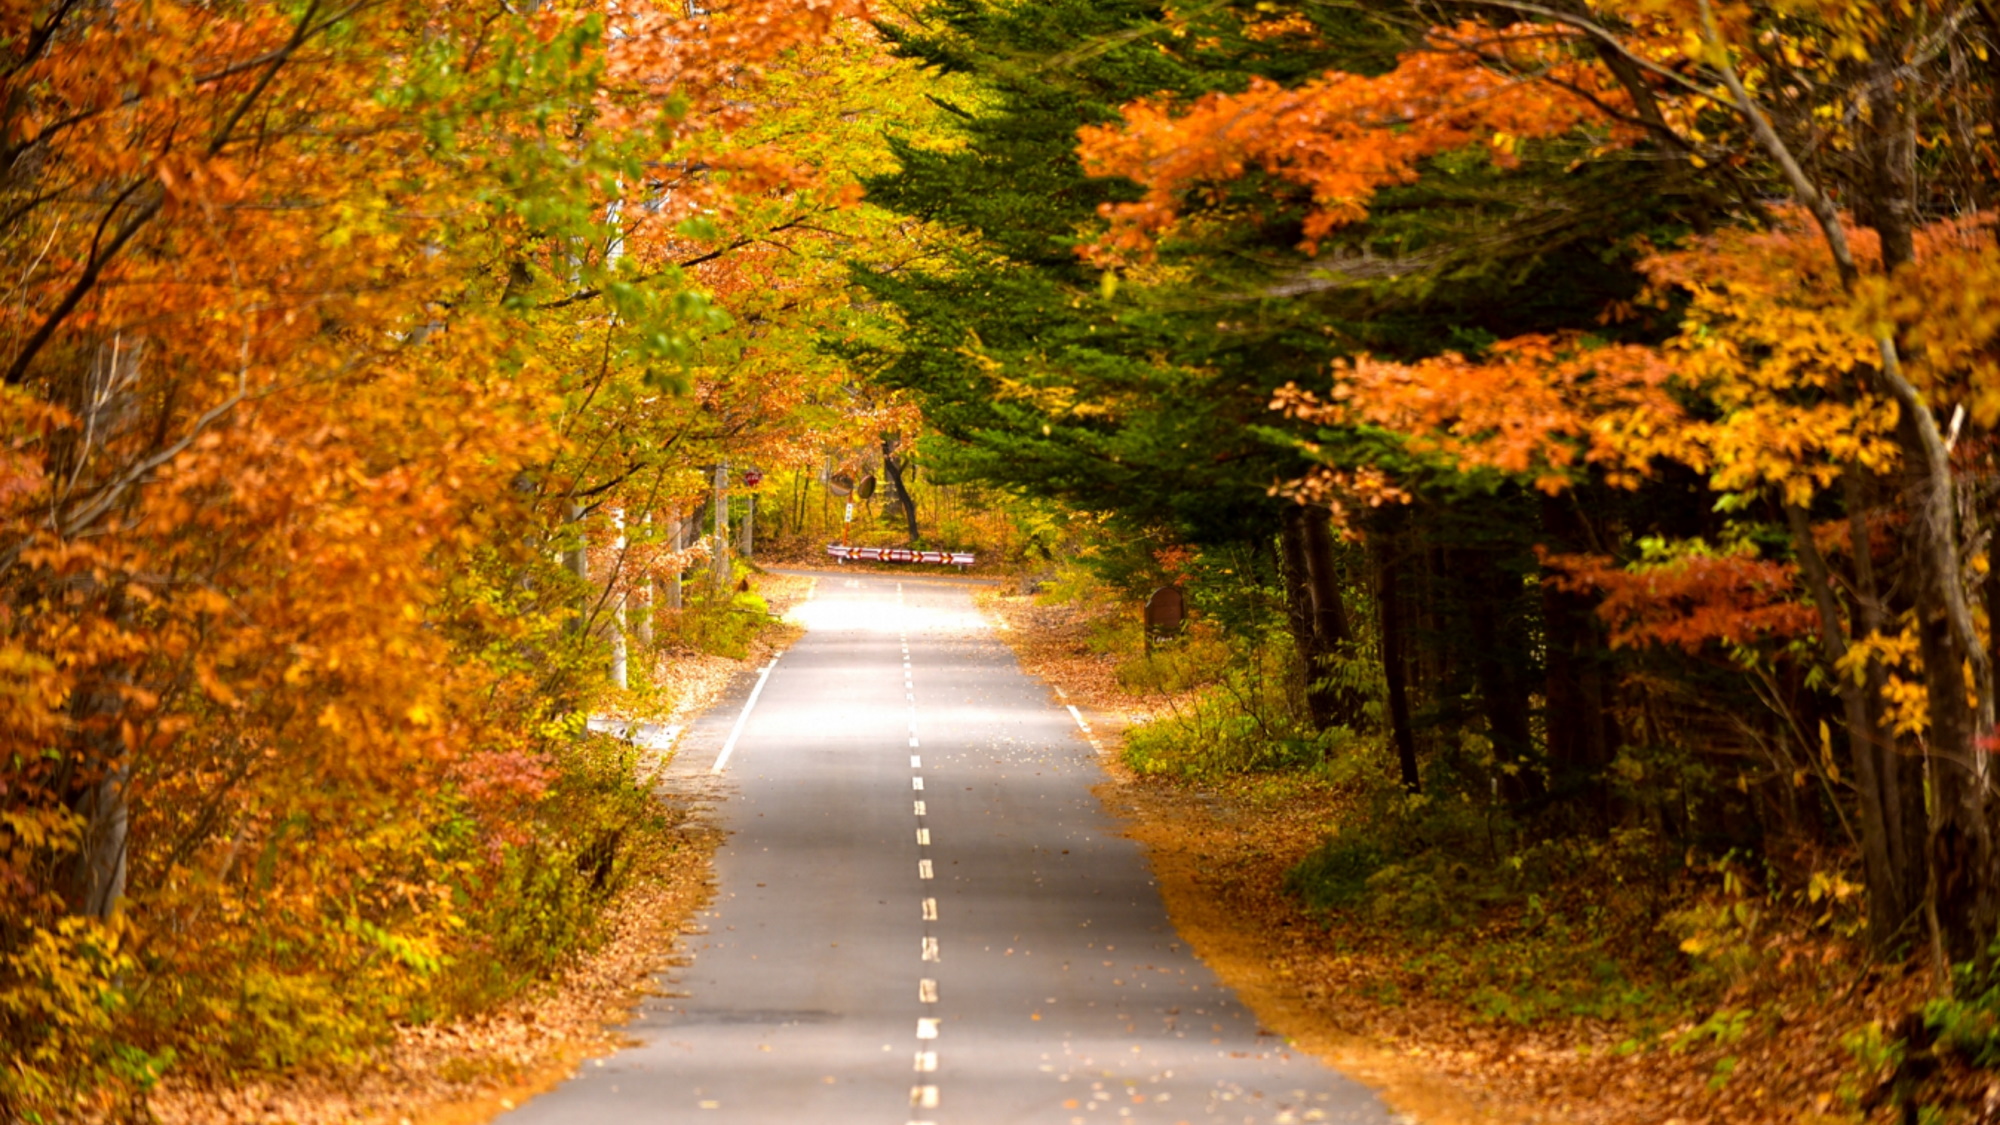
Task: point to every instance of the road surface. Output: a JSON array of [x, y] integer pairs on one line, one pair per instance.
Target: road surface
[[924, 915]]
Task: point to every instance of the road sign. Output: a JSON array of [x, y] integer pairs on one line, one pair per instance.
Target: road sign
[[1166, 612], [752, 478], [841, 551]]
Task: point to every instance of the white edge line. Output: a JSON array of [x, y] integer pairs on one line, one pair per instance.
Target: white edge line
[[743, 716], [1078, 716]]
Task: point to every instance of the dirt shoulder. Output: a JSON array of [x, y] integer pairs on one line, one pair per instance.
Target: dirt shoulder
[[1359, 995]]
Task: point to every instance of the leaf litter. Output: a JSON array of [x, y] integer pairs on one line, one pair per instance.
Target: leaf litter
[[1778, 1048]]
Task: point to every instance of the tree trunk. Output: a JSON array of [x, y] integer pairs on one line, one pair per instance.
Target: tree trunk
[[1332, 635], [98, 882], [677, 540], [1964, 866], [643, 595], [1894, 889], [1963, 876], [1298, 603], [1503, 694], [719, 569], [576, 559], [1389, 598], [895, 472], [1900, 774], [1329, 619], [1577, 720], [620, 659], [1301, 617]]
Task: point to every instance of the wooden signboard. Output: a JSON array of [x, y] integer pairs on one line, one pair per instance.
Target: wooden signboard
[[1166, 613]]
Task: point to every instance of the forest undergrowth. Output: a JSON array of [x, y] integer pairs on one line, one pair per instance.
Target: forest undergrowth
[[1431, 947], [571, 945]]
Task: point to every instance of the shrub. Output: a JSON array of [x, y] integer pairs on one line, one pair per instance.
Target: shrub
[[539, 903], [721, 626]]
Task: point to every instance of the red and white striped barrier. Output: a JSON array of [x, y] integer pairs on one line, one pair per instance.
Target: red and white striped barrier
[[842, 552]]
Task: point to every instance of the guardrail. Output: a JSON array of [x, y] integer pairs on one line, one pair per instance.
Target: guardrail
[[959, 559]]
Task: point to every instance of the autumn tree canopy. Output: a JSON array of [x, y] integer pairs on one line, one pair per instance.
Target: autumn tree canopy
[[1628, 343], [344, 340]]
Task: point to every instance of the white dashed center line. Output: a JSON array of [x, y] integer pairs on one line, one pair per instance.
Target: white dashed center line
[[922, 1096]]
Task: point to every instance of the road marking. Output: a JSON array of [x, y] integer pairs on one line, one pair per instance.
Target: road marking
[[921, 1096], [736, 731], [1061, 694], [1078, 715]]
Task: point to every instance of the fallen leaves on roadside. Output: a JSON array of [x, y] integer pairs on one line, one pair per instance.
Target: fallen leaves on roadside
[[1349, 990]]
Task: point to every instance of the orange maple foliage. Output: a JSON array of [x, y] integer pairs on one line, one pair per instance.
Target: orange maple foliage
[[1342, 137], [1691, 601], [1539, 406], [299, 355]]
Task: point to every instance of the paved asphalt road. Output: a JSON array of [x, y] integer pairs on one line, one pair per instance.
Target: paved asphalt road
[[923, 915]]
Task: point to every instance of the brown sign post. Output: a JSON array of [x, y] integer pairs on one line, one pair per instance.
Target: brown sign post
[[1166, 614]]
